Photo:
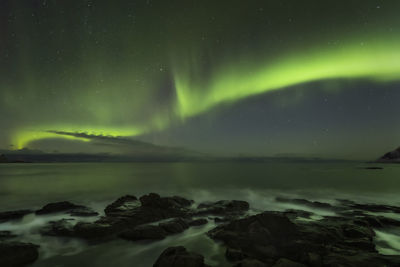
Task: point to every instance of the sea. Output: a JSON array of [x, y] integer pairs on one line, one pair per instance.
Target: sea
[[31, 186]]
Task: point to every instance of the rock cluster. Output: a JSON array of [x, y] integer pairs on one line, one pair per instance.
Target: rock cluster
[[269, 238]]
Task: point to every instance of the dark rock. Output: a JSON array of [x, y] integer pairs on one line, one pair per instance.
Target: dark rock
[[13, 215], [155, 201], [57, 207], [17, 253], [126, 213], [305, 202], [179, 257], [144, 232], [151, 208], [121, 205], [287, 263], [197, 222], [360, 259], [62, 227], [66, 206], [83, 212], [234, 254], [375, 207], [373, 168], [272, 236], [258, 236], [6, 235], [314, 259], [294, 214], [223, 207], [391, 157], [96, 230], [251, 263], [175, 226]]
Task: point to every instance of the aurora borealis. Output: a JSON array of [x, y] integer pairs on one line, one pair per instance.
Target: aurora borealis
[[253, 77]]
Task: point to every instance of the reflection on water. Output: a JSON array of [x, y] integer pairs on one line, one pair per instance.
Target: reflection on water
[[96, 185], [37, 184]]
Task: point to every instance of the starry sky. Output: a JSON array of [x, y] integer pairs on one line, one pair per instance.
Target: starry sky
[[262, 78]]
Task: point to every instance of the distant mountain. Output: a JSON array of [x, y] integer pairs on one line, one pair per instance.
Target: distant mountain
[[391, 157], [3, 159]]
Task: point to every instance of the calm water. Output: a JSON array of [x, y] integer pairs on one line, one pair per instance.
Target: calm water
[[96, 184]]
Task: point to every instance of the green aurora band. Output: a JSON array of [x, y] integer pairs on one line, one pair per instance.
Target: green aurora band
[[367, 60], [376, 59]]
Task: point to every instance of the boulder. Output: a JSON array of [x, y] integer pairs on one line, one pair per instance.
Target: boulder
[[305, 202], [13, 215], [67, 207], [273, 236], [4, 235], [174, 226], [97, 230], [234, 254], [121, 205], [222, 207], [179, 257], [17, 254], [287, 263], [63, 227], [251, 263], [144, 232]]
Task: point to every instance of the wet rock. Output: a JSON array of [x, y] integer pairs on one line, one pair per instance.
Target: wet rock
[[155, 201], [294, 214], [144, 232], [223, 207], [62, 227], [83, 212], [257, 236], [251, 263], [175, 226], [305, 202], [360, 259], [17, 253], [272, 236], [376, 208], [121, 205], [97, 230], [4, 235], [68, 207], [179, 257], [197, 222], [234, 254], [13, 215], [287, 263], [151, 208]]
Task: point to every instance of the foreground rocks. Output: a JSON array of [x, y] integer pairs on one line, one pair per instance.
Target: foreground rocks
[[271, 238], [67, 207], [17, 254], [179, 257], [13, 215], [127, 217]]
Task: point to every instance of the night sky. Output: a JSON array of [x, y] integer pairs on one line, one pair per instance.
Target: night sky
[[276, 77]]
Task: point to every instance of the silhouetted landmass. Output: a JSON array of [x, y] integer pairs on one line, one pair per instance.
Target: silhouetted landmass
[[391, 157], [168, 155], [4, 159]]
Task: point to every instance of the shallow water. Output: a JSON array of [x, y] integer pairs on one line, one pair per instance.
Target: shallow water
[[97, 184]]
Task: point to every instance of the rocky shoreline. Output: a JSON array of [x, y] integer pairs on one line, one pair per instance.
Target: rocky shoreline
[[252, 239]]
